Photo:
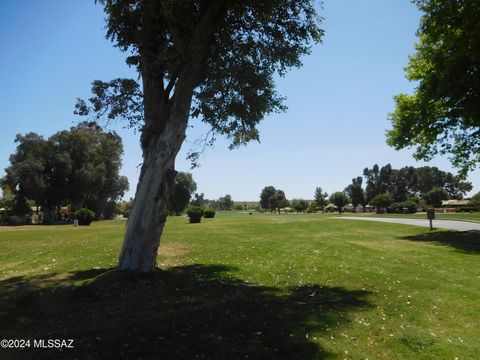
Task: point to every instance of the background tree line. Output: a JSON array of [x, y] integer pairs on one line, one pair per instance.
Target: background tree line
[[380, 187]]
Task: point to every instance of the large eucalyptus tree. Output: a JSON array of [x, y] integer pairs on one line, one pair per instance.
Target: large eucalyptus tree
[[211, 60]]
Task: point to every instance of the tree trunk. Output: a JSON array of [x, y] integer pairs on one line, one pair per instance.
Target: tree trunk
[[148, 215], [166, 121], [162, 137], [49, 215]]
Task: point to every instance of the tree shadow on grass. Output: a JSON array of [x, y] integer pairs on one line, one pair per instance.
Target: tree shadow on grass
[[465, 241], [187, 312]]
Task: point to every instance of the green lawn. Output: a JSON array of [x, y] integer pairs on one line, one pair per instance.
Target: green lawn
[[473, 217], [244, 286]]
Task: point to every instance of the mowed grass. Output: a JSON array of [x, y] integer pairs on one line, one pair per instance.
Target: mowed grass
[[242, 286], [473, 217]]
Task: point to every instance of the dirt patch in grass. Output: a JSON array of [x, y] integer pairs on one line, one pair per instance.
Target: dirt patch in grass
[[172, 250]]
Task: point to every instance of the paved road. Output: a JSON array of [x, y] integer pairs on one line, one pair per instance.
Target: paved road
[[443, 224]]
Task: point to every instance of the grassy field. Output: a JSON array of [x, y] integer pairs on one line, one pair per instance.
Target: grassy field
[[473, 217], [245, 286]]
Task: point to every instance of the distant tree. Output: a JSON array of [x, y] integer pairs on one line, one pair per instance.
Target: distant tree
[[95, 157], [474, 201], [401, 181], [199, 200], [378, 180], [278, 201], [78, 166], [411, 181], [427, 177], [312, 207], [382, 202], [435, 196], [443, 114], [181, 192], [356, 193], [299, 205], [320, 197], [339, 199], [125, 207], [225, 203], [265, 196]]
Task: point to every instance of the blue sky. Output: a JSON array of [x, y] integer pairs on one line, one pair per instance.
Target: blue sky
[[337, 102]]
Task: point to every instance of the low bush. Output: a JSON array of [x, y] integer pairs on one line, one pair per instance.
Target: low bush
[[209, 213], [84, 216], [15, 220], [405, 207], [467, 209], [195, 214]]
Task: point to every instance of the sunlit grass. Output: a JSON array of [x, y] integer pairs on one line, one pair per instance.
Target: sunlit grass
[[372, 290]]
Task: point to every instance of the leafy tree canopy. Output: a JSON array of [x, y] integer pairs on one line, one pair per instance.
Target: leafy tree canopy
[[320, 197], [411, 181], [265, 195], [443, 114], [181, 192], [225, 202], [339, 199], [79, 166], [232, 50], [278, 200], [435, 196], [211, 60], [299, 205], [382, 201], [356, 192]]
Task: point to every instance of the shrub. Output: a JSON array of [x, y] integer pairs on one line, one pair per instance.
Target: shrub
[[395, 208], [411, 206], [402, 207], [84, 216], [209, 213], [467, 209], [195, 214], [15, 220]]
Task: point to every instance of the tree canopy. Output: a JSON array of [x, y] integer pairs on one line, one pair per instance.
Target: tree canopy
[[356, 193], [409, 181], [339, 199], [181, 192], [225, 203], [299, 205], [442, 116], [79, 166], [382, 202], [320, 197], [435, 196], [228, 50], [265, 195]]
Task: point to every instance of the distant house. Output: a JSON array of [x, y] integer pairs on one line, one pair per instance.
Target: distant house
[[455, 203], [359, 208]]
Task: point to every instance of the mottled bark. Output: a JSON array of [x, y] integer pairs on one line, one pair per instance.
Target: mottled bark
[[149, 211], [166, 119]]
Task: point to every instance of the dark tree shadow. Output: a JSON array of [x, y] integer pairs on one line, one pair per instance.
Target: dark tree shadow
[[465, 241], [188, 312]]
